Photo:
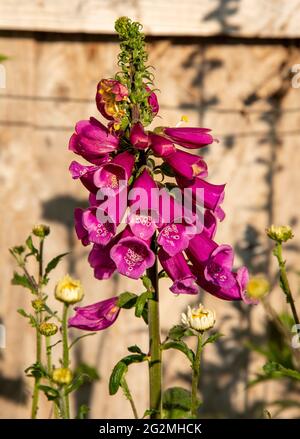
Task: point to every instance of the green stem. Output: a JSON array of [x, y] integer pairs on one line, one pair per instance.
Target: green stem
[[128, 395], [155, 374], [36, 390], [65, 354], [195, 378], [48, 353], [285, 282]]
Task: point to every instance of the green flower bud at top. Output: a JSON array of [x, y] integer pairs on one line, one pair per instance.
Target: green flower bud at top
[[38, 304], [48, 329], [41, 230], [69, 290], [200, 319], [280, 233], [62, 375], [258, 287]]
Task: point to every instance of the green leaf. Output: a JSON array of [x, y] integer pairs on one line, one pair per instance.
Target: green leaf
[[36, 370], [3, 58], [127, 300], [145, 314], [116, 376], [276, 369], [80, 337], [22, 280], [179, 331], [135, 349], [180, 346], [212, 338], [167, 170], [54, 262], [147, 283], [141, 303], [23, 313], [30, 245], [90, 372], [83, 412], [50, 392], [176, 403]]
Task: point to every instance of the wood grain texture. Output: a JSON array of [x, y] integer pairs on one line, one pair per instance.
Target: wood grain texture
[[248, 18]]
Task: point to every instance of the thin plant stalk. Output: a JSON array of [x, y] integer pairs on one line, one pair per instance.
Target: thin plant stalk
[[128, 395], [65, 355], [195, 378]]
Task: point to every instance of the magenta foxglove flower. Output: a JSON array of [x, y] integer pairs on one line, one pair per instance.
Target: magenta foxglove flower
[[92, 140], [115, 174], [161, 146], [212, 264], [81, 231], [138, 137], [184, 282], [109, 93], [188, 137], [100, 260], [152, 100], [187, 165], [97, 316], [100, 228], [131, 255], [174, 238], [211, 195], [85, 173]]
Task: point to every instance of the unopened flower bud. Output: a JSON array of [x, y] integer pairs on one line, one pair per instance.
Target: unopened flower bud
[[18, 249], [38, 305], [200, 319], [41, 230], [62, 375], [280, 233], [69, 290], [48, 329], [258, 287]]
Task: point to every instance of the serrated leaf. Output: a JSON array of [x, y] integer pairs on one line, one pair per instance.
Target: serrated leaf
[[53, 263], [50, 392], [127, 300], [116, 376], [141, 302], [212, 338], [276, 369], [180, 346], [19, 279], [36, 370], [177, 332]]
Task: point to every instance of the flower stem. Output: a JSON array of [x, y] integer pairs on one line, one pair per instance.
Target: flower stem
[[128, 395], [155, 375], [285, 282], [195, 378], [36, 390], [65, 354]]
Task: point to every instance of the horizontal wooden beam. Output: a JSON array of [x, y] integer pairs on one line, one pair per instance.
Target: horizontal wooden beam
[[244, 18]]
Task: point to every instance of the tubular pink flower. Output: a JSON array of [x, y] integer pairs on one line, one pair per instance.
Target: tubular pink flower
[[161, 146], [152, 100], [138, 138], [184, 282], [187, 165], [100, 229], [92, 140], [191, 138], [110, 92], [115, 174], [131, 255], [86, 173], [100, 260], [97, 316], [81, 231]]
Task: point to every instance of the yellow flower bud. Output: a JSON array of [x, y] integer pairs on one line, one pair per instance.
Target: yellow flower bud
[[200, 319], [258, 287], [62, 375], [41, 230], [38, 305], [69, 290], [280, 233], [48, 329]]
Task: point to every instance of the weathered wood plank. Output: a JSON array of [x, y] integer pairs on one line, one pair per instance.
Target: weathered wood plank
[[264, 18]]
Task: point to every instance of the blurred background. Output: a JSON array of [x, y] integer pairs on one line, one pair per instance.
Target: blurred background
[[226, 64]]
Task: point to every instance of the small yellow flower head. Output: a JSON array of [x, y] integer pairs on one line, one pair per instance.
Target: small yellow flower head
[[69, 290], [62, 375], [48, 329], [38, 305], [41, 230], [184, 118], [258, 287], [280, 233], [200, 319]]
